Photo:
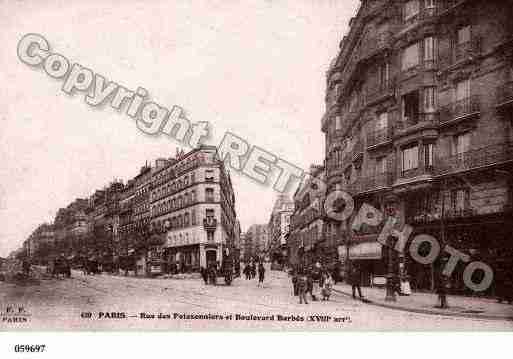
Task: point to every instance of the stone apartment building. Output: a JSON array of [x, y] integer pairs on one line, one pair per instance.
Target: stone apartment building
[[310, 238], [193, 210], [256, 242], [278, 228], [418, 124]]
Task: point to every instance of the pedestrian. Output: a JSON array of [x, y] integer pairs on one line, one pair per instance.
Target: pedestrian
[[261, 273], [355, 281], [213, 274], [253, 270], [26, 267], [204, 274], [326, 288], [441, 290], [310, 286], [247, 271], [294, 274], [302, 287]]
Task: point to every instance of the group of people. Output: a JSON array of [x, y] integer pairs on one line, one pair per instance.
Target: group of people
[[318, 282], [250, 271], [209, 274], [315, 281]]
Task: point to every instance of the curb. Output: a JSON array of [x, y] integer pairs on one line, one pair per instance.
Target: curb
[[427, 311]]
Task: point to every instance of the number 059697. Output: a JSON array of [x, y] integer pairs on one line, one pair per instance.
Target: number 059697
[[29, 348]]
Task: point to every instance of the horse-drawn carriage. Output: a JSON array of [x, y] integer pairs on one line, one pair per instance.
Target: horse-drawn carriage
[[59, 265]]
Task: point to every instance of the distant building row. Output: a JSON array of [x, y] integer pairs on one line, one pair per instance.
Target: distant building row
[[176, 215]]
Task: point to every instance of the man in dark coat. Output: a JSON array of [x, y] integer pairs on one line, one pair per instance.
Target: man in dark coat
[[355, 281], [253, 270], [261, 273], [204, 274]]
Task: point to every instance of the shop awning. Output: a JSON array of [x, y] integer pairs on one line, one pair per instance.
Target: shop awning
[[368, 250]]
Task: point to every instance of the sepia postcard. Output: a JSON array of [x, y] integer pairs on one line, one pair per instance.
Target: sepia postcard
[[340, 165]]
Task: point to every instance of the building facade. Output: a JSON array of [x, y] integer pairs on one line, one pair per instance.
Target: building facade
[[256, 242], [312, 237], [193, 210], [278, 227], [418, 124]]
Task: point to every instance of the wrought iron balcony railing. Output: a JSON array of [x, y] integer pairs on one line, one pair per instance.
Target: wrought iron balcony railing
[[460, 52], [381, 91], [459, 109], [371, 183], [210, 223], [505, 93], [417, 172], [380, 136], [375, 45], [430, 118], [481, 157]]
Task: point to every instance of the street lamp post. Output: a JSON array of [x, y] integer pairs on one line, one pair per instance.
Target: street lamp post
[[391, 275], [390, 294]]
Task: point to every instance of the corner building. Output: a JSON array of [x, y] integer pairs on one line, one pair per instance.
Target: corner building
[[192, 208], [418, 124]]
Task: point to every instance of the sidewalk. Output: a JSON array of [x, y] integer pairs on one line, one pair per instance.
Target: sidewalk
[[425, 303]]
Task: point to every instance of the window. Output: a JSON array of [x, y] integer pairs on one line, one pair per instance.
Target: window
[[463, 35], [428, 155], [193, 196], [209, 194], [338, 123], [193, 178], [461, 143], [210, 236], [460, 199], [429, 49], [383, 73], [429, 4], [186, 219], [381, 166], [347, 174], [193, 217], [209, 175], [429, 100], [353, 104], [382, 121], [462, 90], [337, 91], [411, 9], [411, 107], [410, 158], [410, 57]]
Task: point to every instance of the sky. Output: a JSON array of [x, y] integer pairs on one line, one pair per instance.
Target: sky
[[254, 68]]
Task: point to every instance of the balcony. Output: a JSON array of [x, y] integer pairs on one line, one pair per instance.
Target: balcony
[[379, 137], [416, 172], [380, 92], [505, 94], [371, 183], [374, 45], [210, 223], [461, 52], [416, 122], [482, 157], [423, 15], [459, 110]]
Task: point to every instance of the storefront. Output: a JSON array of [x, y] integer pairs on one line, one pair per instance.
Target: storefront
[[368, 256], [183, 259]]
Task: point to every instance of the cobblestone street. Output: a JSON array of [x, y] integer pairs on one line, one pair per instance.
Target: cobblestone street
[[58, 304]]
